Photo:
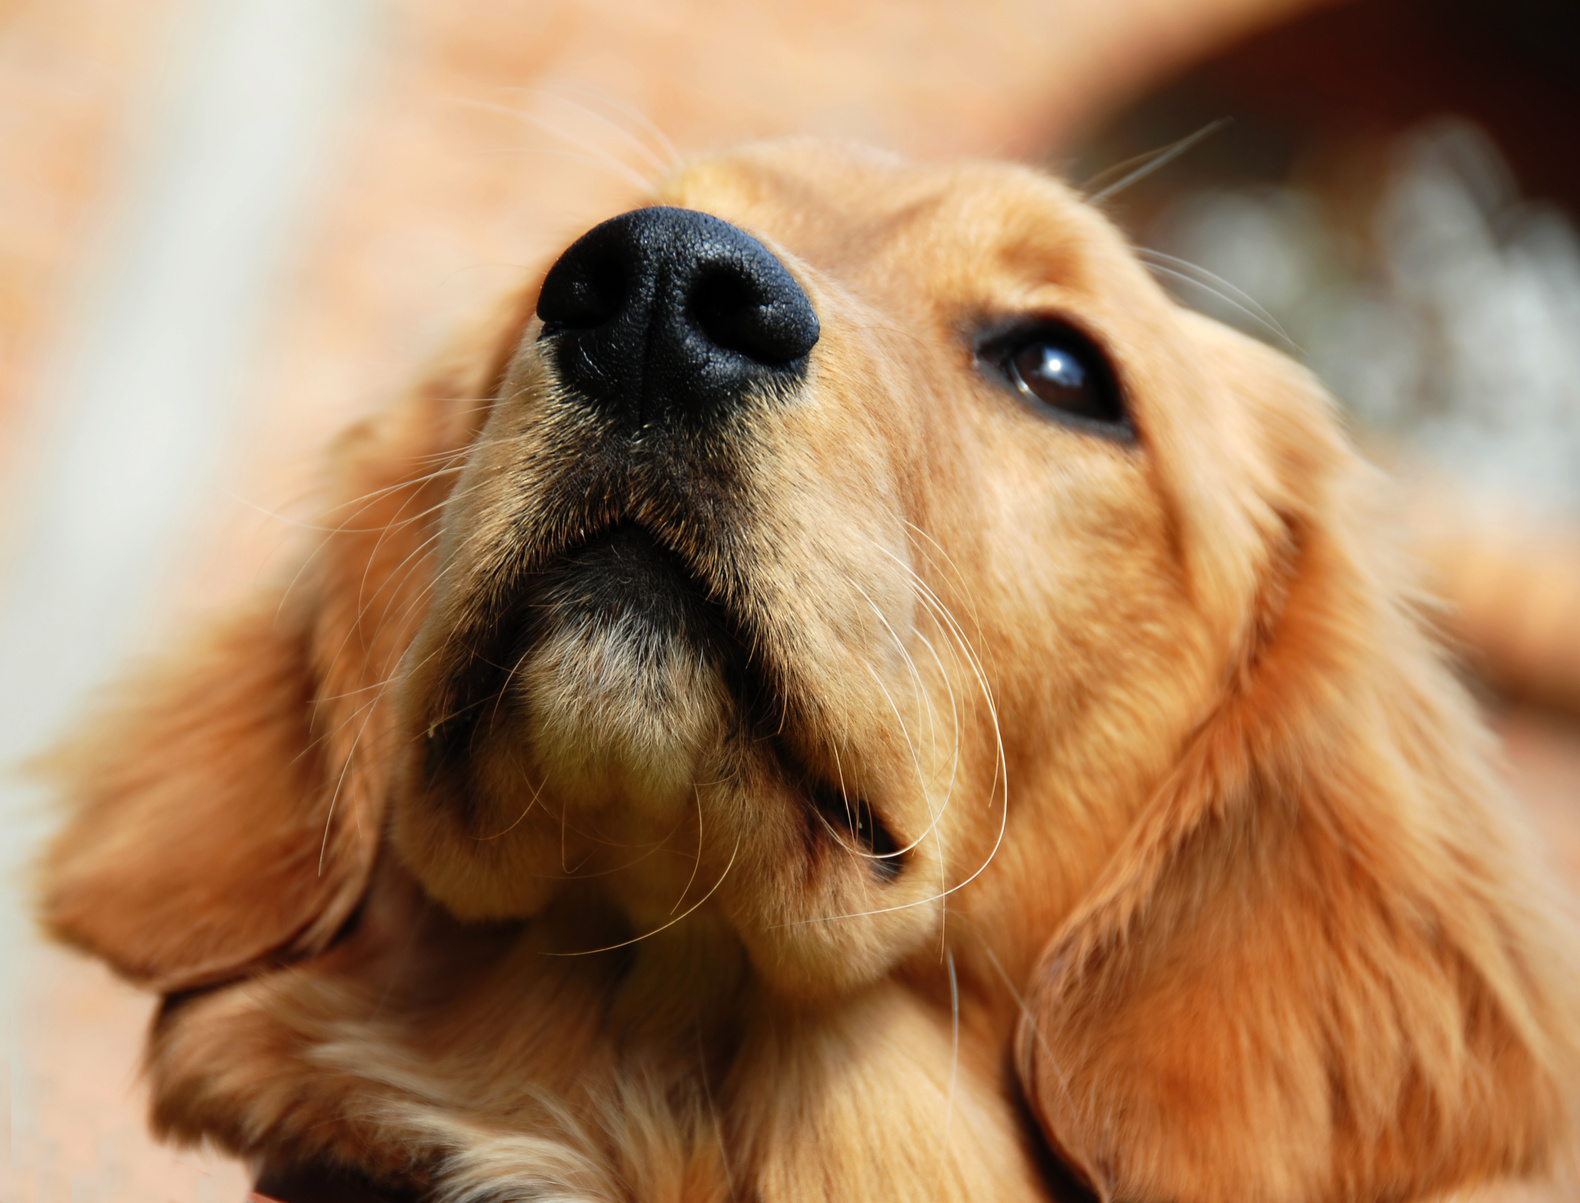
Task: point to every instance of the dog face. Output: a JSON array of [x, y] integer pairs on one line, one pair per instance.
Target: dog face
[[867, 646], [799, 631]]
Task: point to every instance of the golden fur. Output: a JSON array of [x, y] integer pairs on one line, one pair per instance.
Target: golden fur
[[1205, 889]]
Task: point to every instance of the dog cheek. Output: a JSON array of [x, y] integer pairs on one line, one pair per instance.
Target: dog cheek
[[491, 873]]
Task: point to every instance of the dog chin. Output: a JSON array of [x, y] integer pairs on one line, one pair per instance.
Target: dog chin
[[617, 715], [622, 689]]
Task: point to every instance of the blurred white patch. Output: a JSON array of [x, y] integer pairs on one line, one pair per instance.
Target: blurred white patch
[[136, 420], [1451, 321], [1267, 243]]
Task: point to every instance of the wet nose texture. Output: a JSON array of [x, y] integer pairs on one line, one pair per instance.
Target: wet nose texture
[[667, 314]]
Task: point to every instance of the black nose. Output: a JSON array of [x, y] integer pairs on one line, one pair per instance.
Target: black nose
[[668, 313]]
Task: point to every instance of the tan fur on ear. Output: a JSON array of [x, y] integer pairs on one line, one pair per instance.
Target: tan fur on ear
[[228, 810], [202, 814], [1308, 974]]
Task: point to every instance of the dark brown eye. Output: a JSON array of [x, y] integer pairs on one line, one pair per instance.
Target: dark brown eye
[[1058, 368]]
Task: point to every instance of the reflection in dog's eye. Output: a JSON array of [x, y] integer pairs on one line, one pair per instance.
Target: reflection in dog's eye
[[1057, 367]]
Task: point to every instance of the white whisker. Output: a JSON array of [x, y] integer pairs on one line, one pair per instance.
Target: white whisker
[[696, 864], [593, 154], [587, 952], [531, 802], [1031, 1023], [660, 165], [1217, 286], [954, 1052], [1000, 766], [1153, 160]]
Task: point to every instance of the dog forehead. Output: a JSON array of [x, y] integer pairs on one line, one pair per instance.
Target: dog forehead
[[973, 228]]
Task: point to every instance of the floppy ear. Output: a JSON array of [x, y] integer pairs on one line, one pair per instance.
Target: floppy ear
[[201, 814], [1319, 967], [227, 811]]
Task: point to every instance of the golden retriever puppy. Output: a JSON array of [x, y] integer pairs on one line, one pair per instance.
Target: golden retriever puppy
[[842, 691]]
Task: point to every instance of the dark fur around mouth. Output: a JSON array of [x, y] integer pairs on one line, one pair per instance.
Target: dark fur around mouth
[[622, 579], [626, 580]]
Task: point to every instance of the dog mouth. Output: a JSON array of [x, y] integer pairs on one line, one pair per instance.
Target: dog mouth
[[624, 585], [622, 666], [619, 586]]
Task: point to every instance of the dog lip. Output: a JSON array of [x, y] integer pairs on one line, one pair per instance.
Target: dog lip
[[857, 818], [632, 562], [628, 567], [616, 569]]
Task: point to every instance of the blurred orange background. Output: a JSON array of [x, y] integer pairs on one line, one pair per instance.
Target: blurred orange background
[[230, 227]]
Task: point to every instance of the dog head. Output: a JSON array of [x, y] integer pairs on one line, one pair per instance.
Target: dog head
[[817, 563], [862, 562]]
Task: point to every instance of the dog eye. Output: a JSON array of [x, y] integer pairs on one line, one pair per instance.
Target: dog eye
[[1060, 368]]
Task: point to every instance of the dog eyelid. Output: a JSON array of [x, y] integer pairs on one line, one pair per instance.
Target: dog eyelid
[[1062, 372]]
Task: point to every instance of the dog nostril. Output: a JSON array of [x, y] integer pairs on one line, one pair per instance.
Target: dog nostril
[[588, 294], [765, 320], [670, 315]]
